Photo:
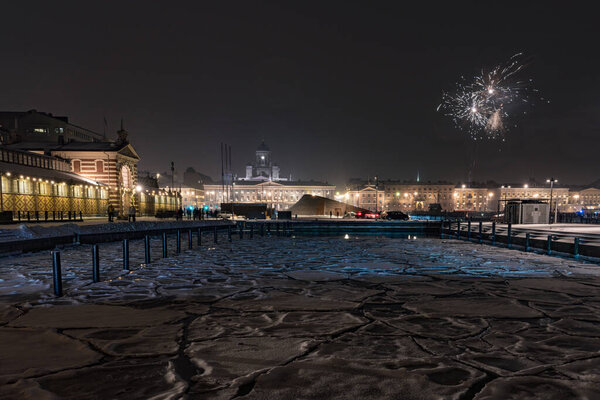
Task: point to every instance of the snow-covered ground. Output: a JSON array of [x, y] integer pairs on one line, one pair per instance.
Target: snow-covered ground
[[302, 318]]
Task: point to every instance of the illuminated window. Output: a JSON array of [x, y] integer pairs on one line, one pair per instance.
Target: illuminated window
[[61, 190]]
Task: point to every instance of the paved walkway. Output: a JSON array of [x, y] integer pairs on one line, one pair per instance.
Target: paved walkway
[[305, 318]]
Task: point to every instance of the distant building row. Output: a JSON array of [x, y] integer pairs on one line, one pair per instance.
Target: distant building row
[[421, 196]]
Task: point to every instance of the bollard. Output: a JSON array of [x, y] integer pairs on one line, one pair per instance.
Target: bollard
[[53, 215], [469, 229], [178, 241], [199, 237], [164, 243], [493, 233], [46, 215], [576, 248], [69, 214], [95, 264], [527, 241], [19, 215], [480, 232], [126, 254], [549, 245], [147, 249], [215, 235], [28, 216], [229, 233], [458, 229], [37, 216], [251, 231], [56, 273], [61, 215]]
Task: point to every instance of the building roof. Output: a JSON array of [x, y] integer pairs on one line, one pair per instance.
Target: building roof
[[276, 183], [73, 146], [263, 147], [45, 173]]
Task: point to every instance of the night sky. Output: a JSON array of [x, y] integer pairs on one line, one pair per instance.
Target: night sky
[[336, 89]]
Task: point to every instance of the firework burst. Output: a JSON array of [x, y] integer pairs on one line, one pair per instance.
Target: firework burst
[[484, 106]]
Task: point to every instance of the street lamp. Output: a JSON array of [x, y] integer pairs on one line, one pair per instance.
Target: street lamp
[[551, 182]]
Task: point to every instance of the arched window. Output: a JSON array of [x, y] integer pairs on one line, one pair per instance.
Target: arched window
[[99, 166], [76, 166]]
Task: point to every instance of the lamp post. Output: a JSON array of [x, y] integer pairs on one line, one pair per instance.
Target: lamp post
[[551, 182], [376, 197]]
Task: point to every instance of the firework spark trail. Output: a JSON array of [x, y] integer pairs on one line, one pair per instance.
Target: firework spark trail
[[481, 106]]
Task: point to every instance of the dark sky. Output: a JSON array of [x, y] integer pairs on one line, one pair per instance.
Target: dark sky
[[336, 89]]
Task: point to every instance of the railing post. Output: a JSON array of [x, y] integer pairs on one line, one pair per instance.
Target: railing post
[[178, 241], [509, 235], [458, 229], [527, 241], [190, 243], [215, 235], [251, 231], [126, 254], [164, 243], [199, 237], [262, 229], [549, 245], [576, 248], [268, 229], [56, 273], [277, 228], [53, 215], [469, 229], [46, 215], [493, 233], [229, 232], [95, 264], [147, 249], [241, 228], [480, 232]]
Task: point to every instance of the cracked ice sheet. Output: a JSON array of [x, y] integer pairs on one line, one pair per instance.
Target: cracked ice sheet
[[447, 316]]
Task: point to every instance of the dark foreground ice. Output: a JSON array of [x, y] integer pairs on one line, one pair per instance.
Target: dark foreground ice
[[303, 318]]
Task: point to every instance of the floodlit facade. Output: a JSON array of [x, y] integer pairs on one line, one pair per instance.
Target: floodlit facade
[[36, 186], [277, 195], [110, 164]]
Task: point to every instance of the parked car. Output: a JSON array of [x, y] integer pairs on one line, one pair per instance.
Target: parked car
[[367, 215], [396, 215]]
